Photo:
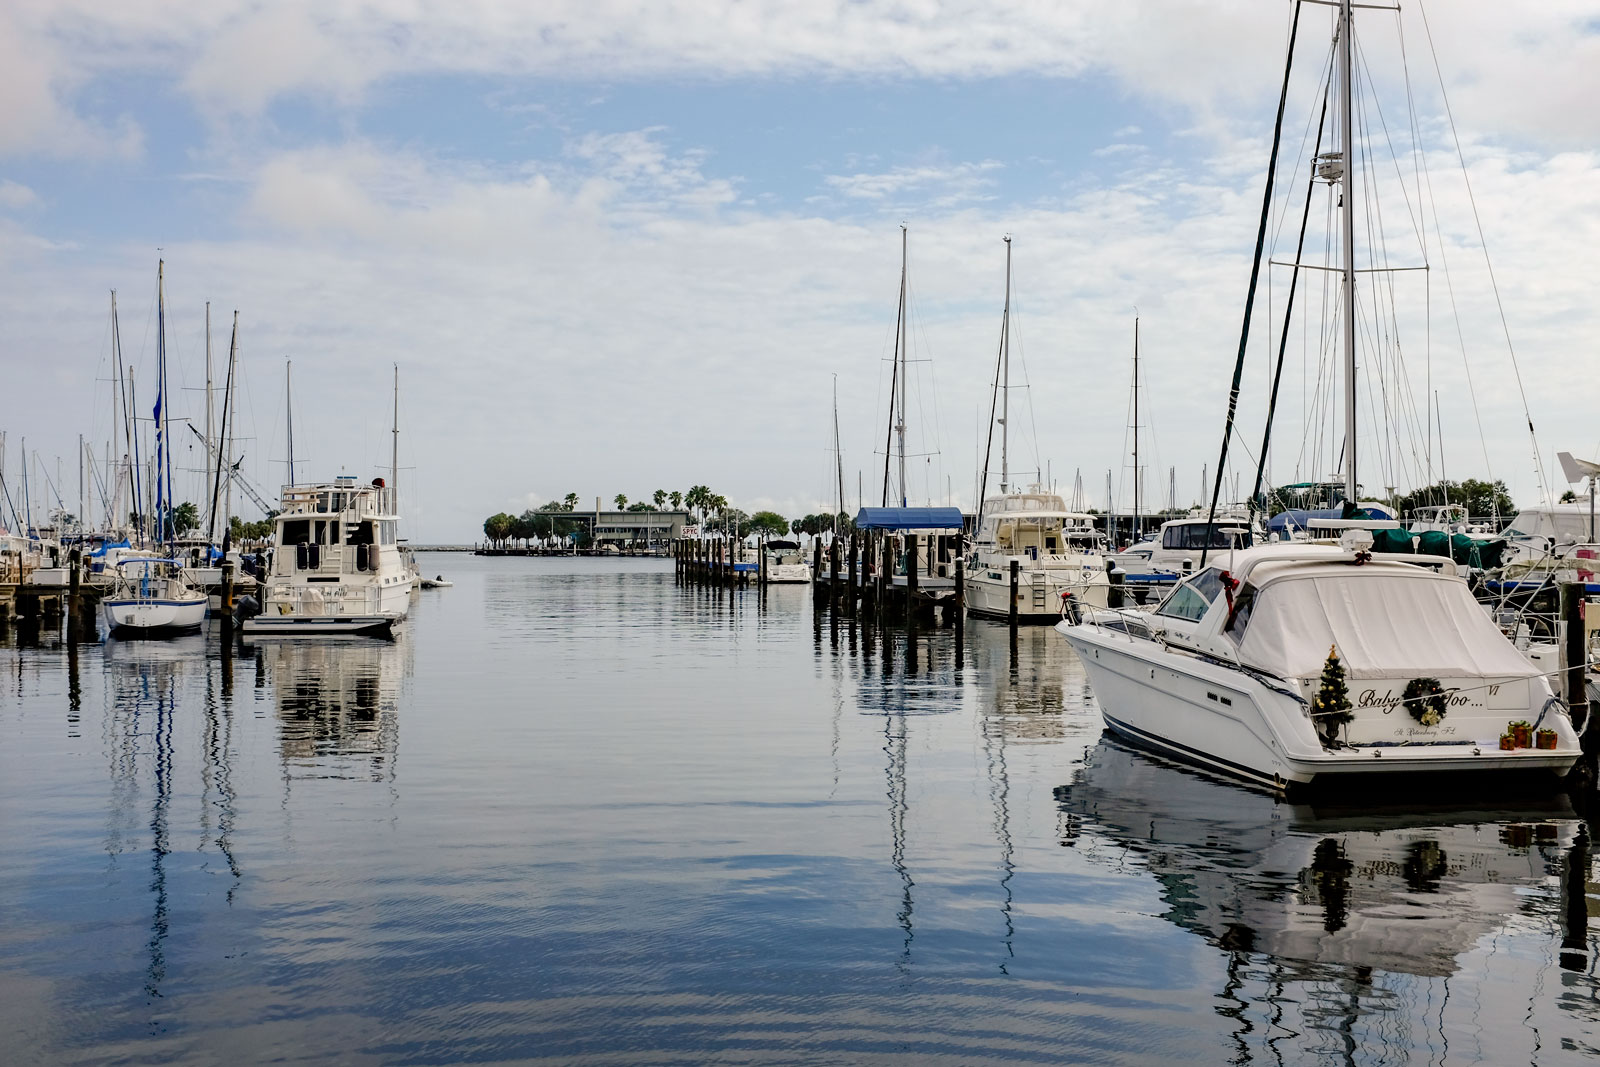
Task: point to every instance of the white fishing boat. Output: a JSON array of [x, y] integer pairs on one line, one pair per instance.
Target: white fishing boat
[[152, 595], [786, 563], [1298, 663], [336, 566]]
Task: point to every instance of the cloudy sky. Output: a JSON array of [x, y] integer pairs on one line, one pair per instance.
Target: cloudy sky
[[615, 247]]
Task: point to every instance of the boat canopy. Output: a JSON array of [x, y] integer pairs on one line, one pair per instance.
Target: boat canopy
[[909, 519], [1387, 620], [1562, 524]]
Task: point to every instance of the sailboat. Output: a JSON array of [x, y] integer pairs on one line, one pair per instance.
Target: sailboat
[[1057, 552], [1293, 664], [154, 594]]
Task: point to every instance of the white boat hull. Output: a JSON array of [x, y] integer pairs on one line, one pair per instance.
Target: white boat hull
[[1038, 593], [307, 625], [1229, 721], [788, 574], [153, 616]]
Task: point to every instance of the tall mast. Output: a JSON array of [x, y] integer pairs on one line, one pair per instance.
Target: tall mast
[[81, 499], [222, 468], [394, 448], [210, 429], [1005, 377], [288, 408], [838, 455], [229, 402], [1135, 428], [119, 398], [163, 472], [1347, 220], [905, 338]]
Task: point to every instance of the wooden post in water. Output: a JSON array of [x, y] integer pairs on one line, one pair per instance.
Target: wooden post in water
[[853, 579], [761, 562], [961, 593], [227, 604], [73, 585], [1114, 575], [816, 568], [1574, 650], [833, 573], [885, 564], [912, 569], [1011, 610]]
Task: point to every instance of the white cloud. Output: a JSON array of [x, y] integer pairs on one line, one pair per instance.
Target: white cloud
[[14, 195], [932, 185]]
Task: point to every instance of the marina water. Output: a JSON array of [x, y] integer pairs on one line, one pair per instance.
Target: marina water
[[579, 813]]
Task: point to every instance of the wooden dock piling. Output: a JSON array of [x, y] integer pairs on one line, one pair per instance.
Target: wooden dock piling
[[1011, 609]]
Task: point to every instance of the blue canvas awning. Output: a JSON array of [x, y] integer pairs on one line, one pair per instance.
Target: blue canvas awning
[[909, 519]]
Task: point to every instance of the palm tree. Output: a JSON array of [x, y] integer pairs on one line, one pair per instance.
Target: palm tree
[[676, 498], [621, 502], [661, 499], [571, 501]]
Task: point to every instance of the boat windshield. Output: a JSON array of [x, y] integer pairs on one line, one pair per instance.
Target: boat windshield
[[1193, 598], [1225, 534]]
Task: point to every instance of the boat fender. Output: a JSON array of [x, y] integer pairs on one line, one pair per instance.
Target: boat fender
[[314, 556], [302, 556], [362, 558]]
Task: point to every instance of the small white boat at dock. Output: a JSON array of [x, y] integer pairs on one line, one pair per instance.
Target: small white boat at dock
[[151, 596]]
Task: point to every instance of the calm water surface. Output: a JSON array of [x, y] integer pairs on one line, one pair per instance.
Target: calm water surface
[[577, 813]]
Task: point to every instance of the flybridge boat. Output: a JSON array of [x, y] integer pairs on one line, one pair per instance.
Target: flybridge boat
[[1231, 671], [1057, 552], [336, 564], [153, 595]]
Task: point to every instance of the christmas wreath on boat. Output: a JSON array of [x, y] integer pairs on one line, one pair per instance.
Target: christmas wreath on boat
[[1426, 700]]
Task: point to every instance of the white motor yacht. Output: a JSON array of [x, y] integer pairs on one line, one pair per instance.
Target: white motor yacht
[[336, 565], [1227, 672], [152, 595], [1056, 551]]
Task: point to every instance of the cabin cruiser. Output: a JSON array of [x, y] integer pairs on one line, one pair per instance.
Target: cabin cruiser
[[786, 564], [1057, 552], [152, 595], [1229, 671], [336, 565], [1174, 550]]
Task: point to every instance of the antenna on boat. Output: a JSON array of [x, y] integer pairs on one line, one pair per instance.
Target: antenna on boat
[[288, 408], [394, 449], [1134, 537]]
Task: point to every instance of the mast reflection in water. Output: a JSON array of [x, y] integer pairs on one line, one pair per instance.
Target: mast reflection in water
[[638, 821]]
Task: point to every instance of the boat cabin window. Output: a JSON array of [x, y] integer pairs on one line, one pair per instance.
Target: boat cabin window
[[296, 531], [1193, 598], [359, 533], [1193, 535], [386, 528]]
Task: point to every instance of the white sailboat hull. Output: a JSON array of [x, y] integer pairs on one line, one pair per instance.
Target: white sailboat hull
[[1233, 722], [788, 573], [153, 616]]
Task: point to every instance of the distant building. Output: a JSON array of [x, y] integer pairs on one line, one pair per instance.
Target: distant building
[[623, 528]]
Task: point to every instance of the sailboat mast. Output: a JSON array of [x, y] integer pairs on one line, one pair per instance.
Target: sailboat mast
[[1135, 428], [163, 472], [394, 448], [210, 429], [230, 402], [1347, 221], [838, 455], [1005, 378], [121, 427], [905, 338]]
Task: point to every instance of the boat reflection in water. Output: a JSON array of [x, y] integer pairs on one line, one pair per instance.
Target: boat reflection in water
[[1401, 890], [336, 702]]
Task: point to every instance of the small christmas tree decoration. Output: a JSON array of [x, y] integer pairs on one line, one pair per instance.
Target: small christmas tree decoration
[[1331, 707]]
